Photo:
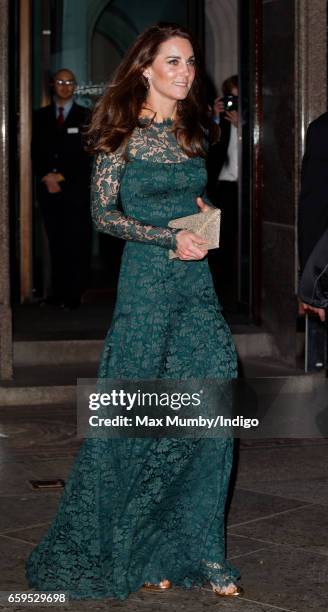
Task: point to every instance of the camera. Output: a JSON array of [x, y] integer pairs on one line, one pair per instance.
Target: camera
[[230, 103]]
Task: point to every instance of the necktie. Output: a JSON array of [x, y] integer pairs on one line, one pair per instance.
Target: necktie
[[60, 118]]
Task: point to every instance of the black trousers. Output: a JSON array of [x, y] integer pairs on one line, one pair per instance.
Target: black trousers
[[316, 343], [68, 228], [224, 261]]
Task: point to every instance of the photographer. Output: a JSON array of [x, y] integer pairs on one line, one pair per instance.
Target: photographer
[[222, 166]]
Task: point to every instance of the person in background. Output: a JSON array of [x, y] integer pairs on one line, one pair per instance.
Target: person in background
[[312, 225], [63, 170], [222, 166], [313, 286]]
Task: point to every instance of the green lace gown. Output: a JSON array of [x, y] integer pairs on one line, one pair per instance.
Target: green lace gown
[[144, 509]]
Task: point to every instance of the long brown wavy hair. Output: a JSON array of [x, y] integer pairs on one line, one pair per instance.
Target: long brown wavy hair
[[116, 113]]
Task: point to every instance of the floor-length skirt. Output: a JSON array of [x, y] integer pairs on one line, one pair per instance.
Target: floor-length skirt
[[138, 510]]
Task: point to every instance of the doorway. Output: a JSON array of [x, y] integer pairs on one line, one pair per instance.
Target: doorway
[[90, 38]]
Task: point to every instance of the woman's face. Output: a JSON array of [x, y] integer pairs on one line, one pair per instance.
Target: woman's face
[[173, 70]]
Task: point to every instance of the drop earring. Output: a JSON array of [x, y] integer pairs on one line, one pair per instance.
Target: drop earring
[[147, 77]]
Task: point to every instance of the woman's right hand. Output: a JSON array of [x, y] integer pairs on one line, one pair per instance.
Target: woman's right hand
[[190, 245]]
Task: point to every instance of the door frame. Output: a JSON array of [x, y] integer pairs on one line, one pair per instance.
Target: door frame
[[24, 148]]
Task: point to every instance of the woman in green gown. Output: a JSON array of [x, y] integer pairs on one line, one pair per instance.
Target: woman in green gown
[[151, 511]]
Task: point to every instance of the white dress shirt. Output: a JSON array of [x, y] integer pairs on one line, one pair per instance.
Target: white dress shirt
[[229, 170]]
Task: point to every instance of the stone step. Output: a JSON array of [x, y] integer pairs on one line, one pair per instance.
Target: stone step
[[250, 341], [56, 384], [36, 395], [40, 384], [56, 352]]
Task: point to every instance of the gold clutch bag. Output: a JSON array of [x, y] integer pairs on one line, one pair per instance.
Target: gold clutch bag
[[205, 224]]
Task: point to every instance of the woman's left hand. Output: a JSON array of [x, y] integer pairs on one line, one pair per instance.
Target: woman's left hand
[[202, 205]]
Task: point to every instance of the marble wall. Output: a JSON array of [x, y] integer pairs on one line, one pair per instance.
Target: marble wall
[[278, 98], [291, 49]]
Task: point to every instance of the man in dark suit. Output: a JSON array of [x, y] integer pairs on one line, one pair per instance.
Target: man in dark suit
[[62, 169], [313, 286], [222, 166], [312, 224]]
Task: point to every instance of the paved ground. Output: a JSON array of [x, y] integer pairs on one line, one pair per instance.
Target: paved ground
[[278, 520]]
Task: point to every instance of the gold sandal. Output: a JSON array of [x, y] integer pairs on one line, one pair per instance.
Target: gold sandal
[[164, 585], [221, 592]]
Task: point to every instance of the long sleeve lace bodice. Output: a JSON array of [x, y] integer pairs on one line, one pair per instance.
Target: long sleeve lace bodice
[[156, 145], [107, 218]]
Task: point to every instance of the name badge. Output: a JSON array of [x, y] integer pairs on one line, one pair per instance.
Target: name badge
[[72, 130]]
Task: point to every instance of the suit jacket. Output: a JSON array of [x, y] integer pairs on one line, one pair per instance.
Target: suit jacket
[[61, 149], [313, 288], [217, 156], [313, 201]]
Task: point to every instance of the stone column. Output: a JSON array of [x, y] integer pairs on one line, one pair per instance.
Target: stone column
[[278, 192], [5, 310]]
